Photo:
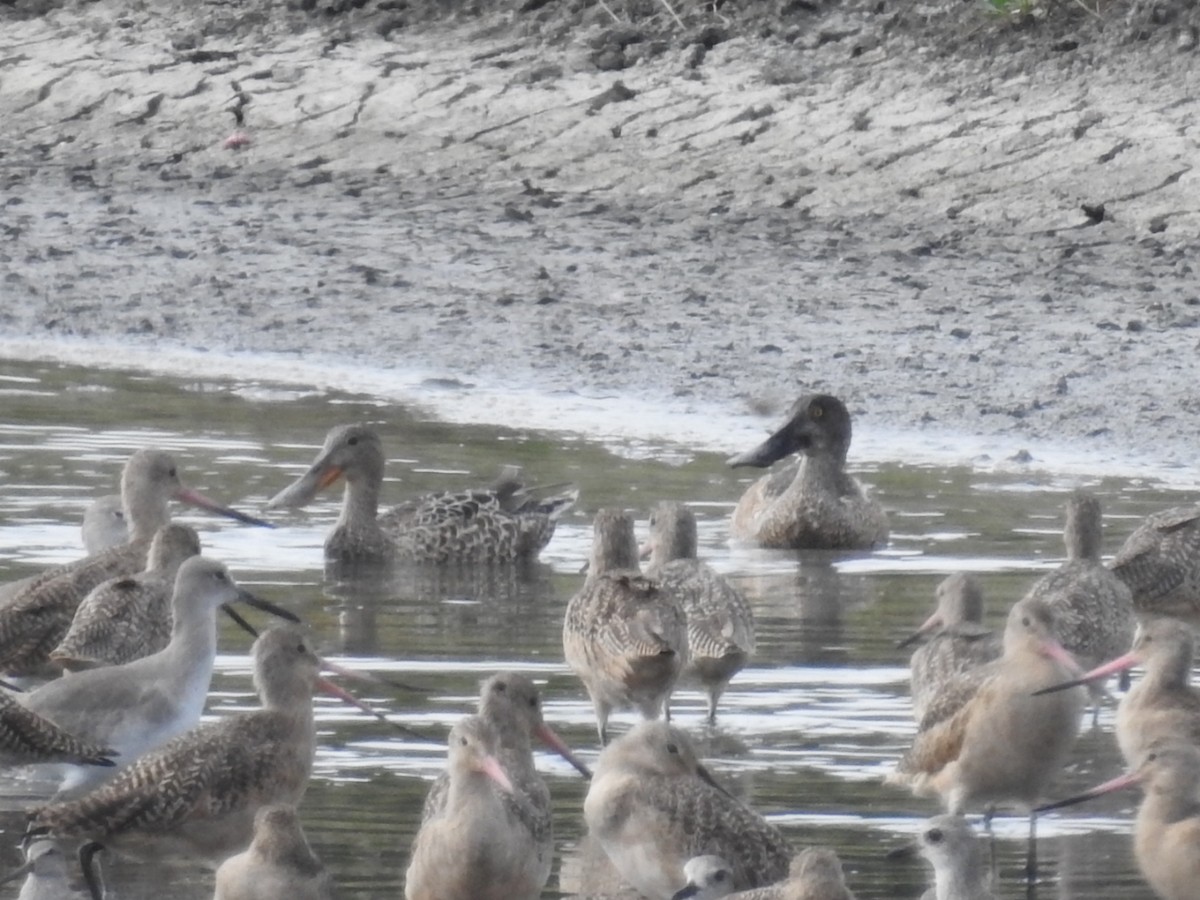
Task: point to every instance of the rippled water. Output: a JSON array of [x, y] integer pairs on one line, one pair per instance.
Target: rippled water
[[806, 732]]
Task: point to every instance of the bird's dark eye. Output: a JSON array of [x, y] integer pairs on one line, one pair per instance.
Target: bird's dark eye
[[462, 741], [171, 471], [300, 648], [353, 441], [1025, 621], [720, 876], [934, 835], [500, 686], [816, 411], [672, 748], [533, 702]]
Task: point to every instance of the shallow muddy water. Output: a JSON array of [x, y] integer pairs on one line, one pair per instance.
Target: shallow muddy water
[[805, 733]]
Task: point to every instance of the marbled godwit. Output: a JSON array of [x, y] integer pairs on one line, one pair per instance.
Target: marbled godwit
[[141, 704], [510, 704], [199, 793], [815, 504], [623, 636], [26, 737], [467, 850], [814, 874], [653, 806], [278, 865], [1162, 704], [1160, 562], [490, 524], [1166, 832], [33, 623], [949, 844], [104, 524], [1093, 609], [959, 646], [103, 527], [720, 623], [124, 619], [1004, 744]]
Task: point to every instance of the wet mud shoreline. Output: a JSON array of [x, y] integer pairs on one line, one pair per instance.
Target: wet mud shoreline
[[959, 225]]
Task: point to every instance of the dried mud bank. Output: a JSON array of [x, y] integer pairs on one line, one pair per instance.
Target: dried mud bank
[[962, 226]]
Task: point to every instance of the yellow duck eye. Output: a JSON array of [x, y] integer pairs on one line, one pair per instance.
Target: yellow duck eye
[[816, 411]]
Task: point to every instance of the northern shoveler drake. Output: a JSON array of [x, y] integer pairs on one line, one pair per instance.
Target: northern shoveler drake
[[813, 504], [495, 524]]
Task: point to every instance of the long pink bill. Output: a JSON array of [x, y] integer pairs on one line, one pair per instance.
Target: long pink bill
[[547, 736], [1119, 783], [195, 498], [491, 767], [1120, 664], [372, 678], [346, 697], [1059, 654], [931, 624]]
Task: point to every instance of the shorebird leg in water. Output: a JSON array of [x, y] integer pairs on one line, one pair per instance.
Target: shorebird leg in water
[[91, 875]]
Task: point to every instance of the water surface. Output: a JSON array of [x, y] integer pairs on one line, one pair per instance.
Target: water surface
[[805, 733]]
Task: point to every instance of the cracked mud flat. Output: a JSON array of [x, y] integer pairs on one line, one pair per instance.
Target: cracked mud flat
[[963, 226]]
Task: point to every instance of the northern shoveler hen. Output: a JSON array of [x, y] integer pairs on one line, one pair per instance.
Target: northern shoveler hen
[[141, 704], [124, 619], [653, 806], [468, 850], [1160, 562], [33, 623], [720, 623], [510, 704], [813, 504], [1162, 704], [959, 645], [278, 865], [1004, 744], [1093, 609], [200, 792], [948, 843], [1166, 832], [623, 636], [499, 523]]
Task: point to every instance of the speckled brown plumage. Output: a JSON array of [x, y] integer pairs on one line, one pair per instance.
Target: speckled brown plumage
[[1004, 744], [1162, 704], [34, 622], [1093, 609], [943, 671], [624, 637], [1160, 562], [653, 806], [467, 849], [815, 873], [279, 864], [720, 623], [509, 702], [499, 523], [201, 790], [815, 504], [26, 737], [124, 619]]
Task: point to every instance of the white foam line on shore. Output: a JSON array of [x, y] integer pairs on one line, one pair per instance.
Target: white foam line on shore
[[612, 418]]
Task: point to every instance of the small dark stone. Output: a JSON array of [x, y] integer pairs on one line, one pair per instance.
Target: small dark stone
[[960, 333], [1094, 212], [1135, 325]]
